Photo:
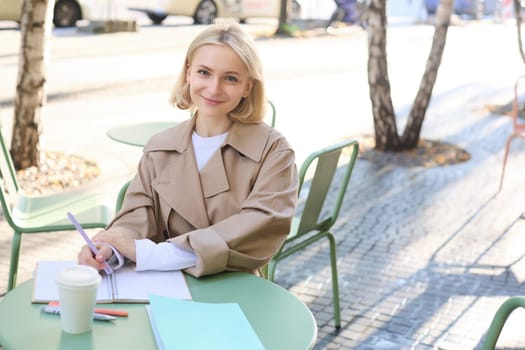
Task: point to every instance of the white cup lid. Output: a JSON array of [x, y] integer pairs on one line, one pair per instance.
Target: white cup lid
[[78, 276]]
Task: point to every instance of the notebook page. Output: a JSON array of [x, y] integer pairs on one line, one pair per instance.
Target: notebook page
[[44, 286], [133, 286]]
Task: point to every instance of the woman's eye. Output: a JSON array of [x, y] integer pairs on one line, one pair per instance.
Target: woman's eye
[[203, 72], [232, 79]]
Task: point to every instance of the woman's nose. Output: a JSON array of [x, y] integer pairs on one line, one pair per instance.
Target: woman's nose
[[214, 86]]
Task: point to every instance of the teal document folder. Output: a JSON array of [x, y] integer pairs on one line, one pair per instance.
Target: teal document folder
[[185, 324]]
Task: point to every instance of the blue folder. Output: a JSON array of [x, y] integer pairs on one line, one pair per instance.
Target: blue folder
[[186, 324]]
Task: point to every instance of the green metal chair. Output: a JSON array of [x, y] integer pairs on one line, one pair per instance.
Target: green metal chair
[[499, 320], [273, 113], [121, 195], [39, 214], [318, 214]]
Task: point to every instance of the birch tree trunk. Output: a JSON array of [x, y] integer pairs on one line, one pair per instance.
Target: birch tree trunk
[[410, 137], [30, 96], [385, 125], [386, 136], [285, 8], [517, 13]]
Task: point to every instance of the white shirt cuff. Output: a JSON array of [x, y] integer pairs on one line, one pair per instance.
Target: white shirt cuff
[[164, 256], [117, 260]]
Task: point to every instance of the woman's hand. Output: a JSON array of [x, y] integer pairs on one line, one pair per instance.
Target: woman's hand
[[125, 245], [86, 256]]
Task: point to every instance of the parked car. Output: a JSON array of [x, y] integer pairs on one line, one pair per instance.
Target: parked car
[[65, 12], [474, 9], [471, 8], [205, 11]]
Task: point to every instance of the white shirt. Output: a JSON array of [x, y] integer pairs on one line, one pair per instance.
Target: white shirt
[[205, 147], [164, 256]]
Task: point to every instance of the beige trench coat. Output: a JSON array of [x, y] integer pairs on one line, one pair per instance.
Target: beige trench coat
[[234, 214]]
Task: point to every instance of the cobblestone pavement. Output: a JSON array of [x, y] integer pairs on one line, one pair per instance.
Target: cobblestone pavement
[[425, 256]]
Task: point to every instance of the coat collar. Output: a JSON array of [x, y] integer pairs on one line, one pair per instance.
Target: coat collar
[[248, 139]]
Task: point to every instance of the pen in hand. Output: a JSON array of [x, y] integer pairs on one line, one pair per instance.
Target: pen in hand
[[84, 235], [96, 316]]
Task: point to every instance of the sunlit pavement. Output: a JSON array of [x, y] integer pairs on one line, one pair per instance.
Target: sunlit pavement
[[425, 256]]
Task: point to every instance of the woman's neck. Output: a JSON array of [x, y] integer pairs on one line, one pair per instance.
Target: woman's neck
[[212, 126]]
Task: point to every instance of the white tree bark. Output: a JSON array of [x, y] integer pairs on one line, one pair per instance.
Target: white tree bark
[[36, 25], [410, 137], [385, 125]]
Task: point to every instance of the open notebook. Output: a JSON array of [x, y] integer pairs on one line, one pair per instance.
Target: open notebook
[[125, 285]]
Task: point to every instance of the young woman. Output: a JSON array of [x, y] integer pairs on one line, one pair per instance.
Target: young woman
[[216, 192]]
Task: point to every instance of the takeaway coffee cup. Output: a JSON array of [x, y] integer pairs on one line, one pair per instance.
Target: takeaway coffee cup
[[77, 293]]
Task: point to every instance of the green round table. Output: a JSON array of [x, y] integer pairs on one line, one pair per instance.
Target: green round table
[[279, 318], [138, 134]]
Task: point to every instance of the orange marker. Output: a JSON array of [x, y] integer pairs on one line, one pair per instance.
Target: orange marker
[[111, 312]]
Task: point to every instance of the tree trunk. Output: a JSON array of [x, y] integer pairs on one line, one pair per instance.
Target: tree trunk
[[410, 137], [282, 27], [517, 13], [385, 126], [30, 93], [386, 137]]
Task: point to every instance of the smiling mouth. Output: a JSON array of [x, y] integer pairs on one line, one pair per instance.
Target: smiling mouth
[[211, 101]]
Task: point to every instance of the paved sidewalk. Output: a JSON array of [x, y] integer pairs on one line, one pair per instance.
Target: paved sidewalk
[[425, 256]]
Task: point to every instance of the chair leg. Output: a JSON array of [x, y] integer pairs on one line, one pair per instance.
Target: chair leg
[[499, 320], [335, 282], [333, 262], [15, 254], [270, 272], [264, 271], [507, 148]]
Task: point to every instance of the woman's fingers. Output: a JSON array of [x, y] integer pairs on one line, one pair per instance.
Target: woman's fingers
[[86, 256]]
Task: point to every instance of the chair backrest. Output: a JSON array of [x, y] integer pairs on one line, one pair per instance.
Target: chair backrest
[[8, 183], [7, 168], [7, 171], [515, 102], [273, 113], [318, 213], [121, 195]]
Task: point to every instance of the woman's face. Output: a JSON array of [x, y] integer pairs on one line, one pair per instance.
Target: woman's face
[[218, 80]]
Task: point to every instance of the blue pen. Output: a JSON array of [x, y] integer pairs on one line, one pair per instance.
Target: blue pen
[[96, 316], [94, 249]]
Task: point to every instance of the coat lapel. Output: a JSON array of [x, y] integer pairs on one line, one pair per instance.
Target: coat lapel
[[182, 190], [178, 183], [213, 176]]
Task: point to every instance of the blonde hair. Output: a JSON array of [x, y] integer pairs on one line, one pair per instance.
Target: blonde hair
[[250, 109]]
